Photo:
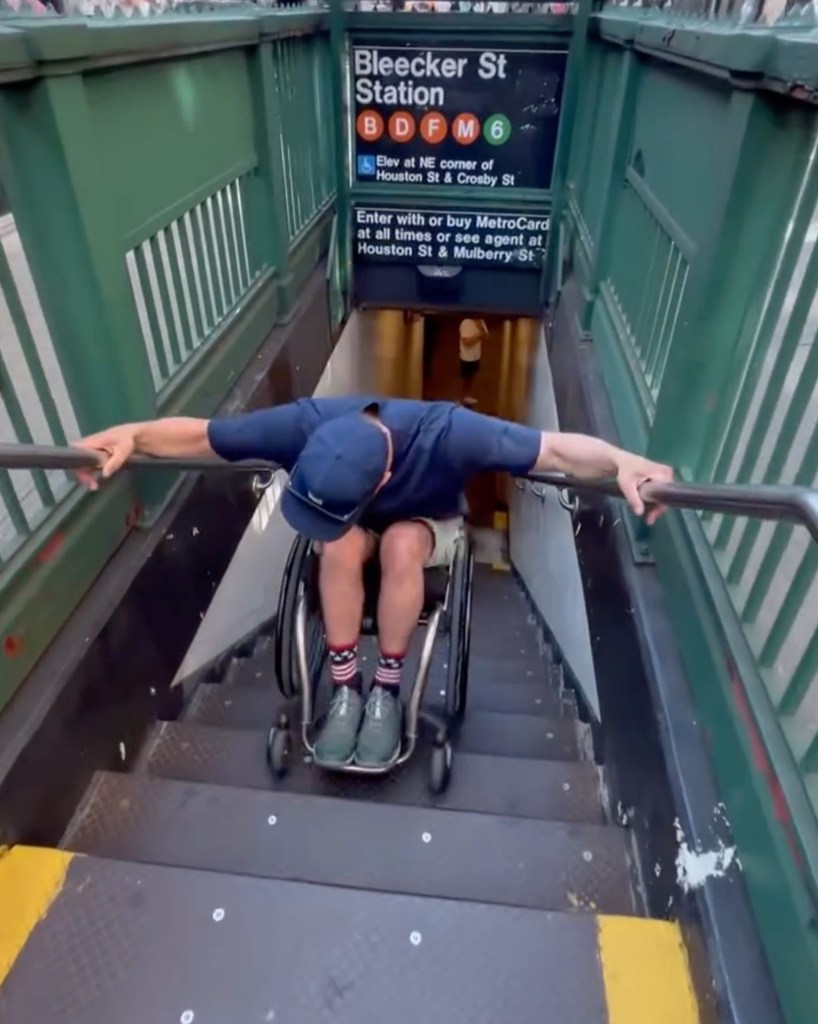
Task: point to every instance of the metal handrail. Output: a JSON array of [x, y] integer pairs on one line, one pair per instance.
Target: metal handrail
[[761, 501], [41, 456]]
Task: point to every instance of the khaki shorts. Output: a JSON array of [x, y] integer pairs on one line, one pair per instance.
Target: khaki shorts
[[445, 535]]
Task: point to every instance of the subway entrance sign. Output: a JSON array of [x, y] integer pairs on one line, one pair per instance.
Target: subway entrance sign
[[456, 116], [463, 238], [475, 259]]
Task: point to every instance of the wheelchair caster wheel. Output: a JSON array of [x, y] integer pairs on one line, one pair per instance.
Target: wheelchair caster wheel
[[440, 768], [278, 751]]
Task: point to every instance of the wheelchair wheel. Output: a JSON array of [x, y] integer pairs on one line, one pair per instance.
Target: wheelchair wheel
[[278, 749], [459, 631], [440, 767], [300, 577]]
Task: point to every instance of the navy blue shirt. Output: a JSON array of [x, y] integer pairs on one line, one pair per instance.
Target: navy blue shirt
[[438, 446]]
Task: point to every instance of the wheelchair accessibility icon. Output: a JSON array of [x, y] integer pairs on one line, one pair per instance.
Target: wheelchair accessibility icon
[[366, 166]]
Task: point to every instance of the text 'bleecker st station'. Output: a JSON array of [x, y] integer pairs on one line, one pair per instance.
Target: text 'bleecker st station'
[[456, 116], [371, 66]]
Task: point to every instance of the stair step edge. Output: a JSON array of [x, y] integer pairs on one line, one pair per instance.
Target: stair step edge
[[527, 863]]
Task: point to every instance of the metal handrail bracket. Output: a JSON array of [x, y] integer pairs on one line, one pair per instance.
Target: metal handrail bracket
[[759, 501]]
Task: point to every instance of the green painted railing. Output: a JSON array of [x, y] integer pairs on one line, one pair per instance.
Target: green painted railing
[[171, 182], [35, 402], [302, 70], [768, 430], [646, 291], [692, 219], [335, 286], [188, 277]]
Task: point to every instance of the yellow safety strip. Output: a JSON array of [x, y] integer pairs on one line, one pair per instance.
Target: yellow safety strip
[[646, 972], [30, 879]]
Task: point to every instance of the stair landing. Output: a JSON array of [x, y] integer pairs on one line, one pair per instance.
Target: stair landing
[[133, 943]]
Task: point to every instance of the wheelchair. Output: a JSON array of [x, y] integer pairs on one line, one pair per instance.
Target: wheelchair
[[300, 654]]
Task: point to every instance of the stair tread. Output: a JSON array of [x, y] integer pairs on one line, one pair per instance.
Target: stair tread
[[500, 600], [513, 668], [488, 690], [134, 942], [528, 698], [243, 706], [507, 644], [415, 850], [514, 735], [499, 588], [557, 790], [239, 707], [482, 732], [484, 669]]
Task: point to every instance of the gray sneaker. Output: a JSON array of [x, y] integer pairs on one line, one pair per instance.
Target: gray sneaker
[[335, 746], [379, 740]]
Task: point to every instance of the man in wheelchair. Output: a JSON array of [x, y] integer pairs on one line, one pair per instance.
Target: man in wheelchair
[[375, 477]]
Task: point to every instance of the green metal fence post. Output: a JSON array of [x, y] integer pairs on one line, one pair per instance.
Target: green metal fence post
[[338, 40], [723, 276], [573, 84], [611, 176], [790, 203], [64, 211], [270, 233]]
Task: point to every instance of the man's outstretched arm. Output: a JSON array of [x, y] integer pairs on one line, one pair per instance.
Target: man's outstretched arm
[[590, 458], [485, 442], [173, 437], [272, 434]]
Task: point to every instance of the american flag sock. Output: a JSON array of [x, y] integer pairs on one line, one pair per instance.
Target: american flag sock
[[388, 672], [343, 666]]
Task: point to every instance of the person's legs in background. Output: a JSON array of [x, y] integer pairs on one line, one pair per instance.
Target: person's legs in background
[[472, 335], [342, 601], [468, 371]]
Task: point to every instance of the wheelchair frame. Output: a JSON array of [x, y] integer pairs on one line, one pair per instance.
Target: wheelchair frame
[[300, 651]]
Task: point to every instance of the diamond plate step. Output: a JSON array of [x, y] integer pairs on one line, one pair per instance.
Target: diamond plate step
[[513, 669], [500, 593], [233, 706], [511, 698], [429, 852], [509, 735], [492, 639], [552, 790], [500, 601], [488, 690], [135, 943], [254, 706], [484, 670]]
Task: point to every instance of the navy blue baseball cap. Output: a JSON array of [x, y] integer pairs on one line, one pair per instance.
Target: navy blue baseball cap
[[336, 476]]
